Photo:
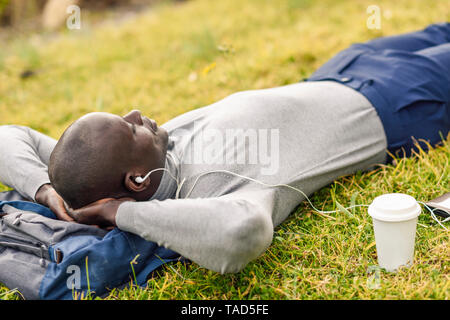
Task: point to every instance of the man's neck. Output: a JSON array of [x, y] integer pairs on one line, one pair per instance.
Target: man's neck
[[167, 185]]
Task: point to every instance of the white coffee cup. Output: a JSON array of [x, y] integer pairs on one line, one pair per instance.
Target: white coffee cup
[[395, 218]]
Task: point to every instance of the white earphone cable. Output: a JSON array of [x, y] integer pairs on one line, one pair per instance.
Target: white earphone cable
[[180, 186]]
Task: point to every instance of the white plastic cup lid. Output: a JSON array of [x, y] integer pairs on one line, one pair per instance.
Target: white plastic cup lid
[[394, 207]]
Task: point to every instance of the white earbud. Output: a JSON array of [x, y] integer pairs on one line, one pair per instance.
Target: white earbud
[[142, 179], [139, 180]]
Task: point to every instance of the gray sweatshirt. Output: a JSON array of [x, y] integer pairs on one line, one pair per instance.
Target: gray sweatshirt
[[305, 135]]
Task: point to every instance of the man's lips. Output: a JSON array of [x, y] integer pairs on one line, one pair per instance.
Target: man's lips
[[152, 124]]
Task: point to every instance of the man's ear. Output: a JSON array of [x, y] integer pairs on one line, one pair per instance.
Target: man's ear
[[132, 185]]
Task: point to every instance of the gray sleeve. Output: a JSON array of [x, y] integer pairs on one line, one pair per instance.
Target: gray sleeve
[[24, 158], [222, 234]]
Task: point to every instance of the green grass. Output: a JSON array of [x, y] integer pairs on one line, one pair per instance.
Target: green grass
[[173, 59]]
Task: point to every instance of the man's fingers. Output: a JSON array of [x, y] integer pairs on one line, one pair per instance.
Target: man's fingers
[[70, 213], [86, 215], [64, 217], [60, 211], [76, 216], [100, 213], [61, 214]]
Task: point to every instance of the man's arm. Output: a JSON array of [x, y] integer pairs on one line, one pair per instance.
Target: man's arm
[[24, 158], [222, 234]]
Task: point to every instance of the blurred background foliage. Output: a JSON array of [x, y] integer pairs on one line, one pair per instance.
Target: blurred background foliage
[[51, 14]]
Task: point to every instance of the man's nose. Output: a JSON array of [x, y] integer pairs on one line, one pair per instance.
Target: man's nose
[[135, 116]]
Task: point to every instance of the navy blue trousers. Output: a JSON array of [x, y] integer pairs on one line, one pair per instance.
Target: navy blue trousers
[[406, 78]]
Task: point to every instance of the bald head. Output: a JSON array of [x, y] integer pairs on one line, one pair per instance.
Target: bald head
[[81, 160], [98, 152]]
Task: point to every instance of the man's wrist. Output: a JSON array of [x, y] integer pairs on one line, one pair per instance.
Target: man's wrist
[[41, 194], [115, 209]]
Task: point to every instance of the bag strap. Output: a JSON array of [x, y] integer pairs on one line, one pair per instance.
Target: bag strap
[[29, 206]]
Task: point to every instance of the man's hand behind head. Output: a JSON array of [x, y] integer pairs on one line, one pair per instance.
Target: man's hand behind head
[[48, 197], [101, 213]]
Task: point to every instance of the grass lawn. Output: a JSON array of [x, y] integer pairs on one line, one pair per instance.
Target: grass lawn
[[175, 58]]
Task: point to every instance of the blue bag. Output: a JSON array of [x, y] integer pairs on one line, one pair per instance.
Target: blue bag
[[46, 258]]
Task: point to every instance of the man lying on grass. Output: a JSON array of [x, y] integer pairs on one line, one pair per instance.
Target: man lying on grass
[[366, 102]]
